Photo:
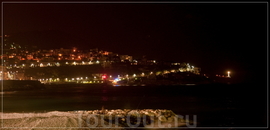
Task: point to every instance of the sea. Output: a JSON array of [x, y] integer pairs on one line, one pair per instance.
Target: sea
[[211, 105]]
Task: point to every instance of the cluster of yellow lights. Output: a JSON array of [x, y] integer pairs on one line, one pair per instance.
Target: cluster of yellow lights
[[68, 80]]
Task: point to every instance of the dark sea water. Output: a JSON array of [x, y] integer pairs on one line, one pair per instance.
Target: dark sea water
[[215, 105]]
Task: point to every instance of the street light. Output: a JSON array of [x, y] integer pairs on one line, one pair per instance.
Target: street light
[[229, 73]]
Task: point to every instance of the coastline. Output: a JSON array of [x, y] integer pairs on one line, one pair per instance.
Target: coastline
[[96, 119]]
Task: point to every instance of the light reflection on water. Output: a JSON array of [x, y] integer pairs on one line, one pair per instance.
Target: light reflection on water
[[221, 107], [67, 98]]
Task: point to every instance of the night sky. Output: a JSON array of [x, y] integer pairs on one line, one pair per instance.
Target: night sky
[[214, 36]]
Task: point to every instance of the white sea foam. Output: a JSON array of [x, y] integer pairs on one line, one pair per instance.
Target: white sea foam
[[100, 118]]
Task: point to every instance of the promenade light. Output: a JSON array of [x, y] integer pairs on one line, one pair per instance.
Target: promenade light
[[229, 74]]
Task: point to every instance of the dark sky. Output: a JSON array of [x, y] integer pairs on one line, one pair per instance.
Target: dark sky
[[214, 36]]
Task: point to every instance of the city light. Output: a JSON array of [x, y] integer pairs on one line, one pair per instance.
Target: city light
[[115, 80], [104, 77], [49, 59], [229, 74]]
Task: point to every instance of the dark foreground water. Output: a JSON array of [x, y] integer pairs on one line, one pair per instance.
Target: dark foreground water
[[215, 105]]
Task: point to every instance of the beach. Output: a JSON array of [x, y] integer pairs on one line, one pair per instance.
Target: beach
[[213, 105], [96, 119]]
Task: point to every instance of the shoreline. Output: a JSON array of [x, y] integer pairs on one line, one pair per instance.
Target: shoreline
[[145, 118]]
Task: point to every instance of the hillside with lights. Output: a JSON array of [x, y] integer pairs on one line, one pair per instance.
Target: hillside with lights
[[93, 66]]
